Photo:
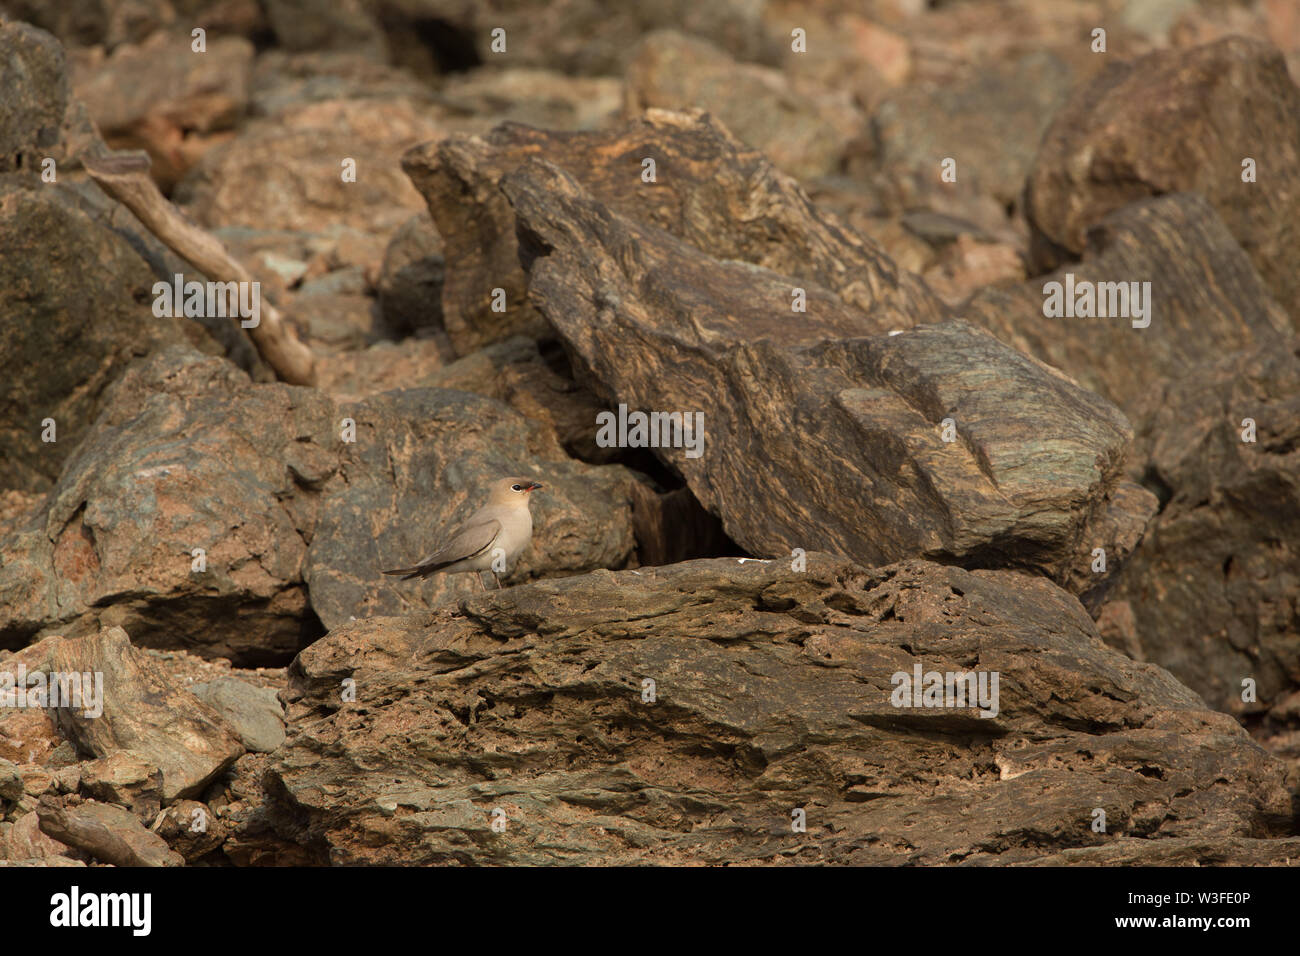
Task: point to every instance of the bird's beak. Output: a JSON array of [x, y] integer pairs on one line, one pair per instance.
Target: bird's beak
[[532, 486]]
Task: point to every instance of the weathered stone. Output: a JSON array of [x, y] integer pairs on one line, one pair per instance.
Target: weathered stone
[[187, 455], [76, 300], [1179, 121], [165, 726], [26, 734], [542, 98], [327, 25], [1182, 851], [262, 478], [96, 22], [1206, 299], [287, 171], [11, 782], [410, 288], [420, 462], [990, 126], [107, 833], [253, 712], [577, 37], [650, 322], [161, 97], [191, 829], [284, 81], [711, 191], [126, 778], [771, 692], [1211, 591], [381, 367], [514, 372], [26, 841], [32, 74]]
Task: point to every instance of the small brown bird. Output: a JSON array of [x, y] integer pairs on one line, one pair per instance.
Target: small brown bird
[[496, 534]]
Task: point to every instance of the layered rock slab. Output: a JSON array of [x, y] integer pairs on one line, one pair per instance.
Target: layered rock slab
[[820, 434], [680, 714], [1204, 299], [723, 198], [1179, 121]]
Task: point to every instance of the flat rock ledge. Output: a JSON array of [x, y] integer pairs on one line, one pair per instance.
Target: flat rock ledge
[[741, 713]]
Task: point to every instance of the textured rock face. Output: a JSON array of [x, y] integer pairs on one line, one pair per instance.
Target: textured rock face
[[905, 470], [656, 325], [75, 300], [286, 172], [771, 692], [1180, 121], [721, 197], [36, 94], [294, 514], [108, 833], [187, 455], [991, 126], [1211, 592], [137, 710], [1205, 300], [420, 463]]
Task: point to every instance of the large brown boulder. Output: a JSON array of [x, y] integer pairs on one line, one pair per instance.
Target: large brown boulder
[[1211, 591], [1179, 121], [187, 454], [723, 198], [690, 714], [1205, 300], [822, 433]]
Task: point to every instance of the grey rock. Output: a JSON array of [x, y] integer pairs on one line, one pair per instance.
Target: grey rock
[[254, 712]]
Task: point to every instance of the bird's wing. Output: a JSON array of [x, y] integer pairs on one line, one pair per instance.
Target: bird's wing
[[466, 542]]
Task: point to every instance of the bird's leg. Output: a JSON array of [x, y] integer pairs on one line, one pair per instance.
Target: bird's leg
[[497, 580], [478, 576]]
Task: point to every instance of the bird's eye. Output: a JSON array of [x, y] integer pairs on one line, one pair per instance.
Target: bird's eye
[[515, 488]]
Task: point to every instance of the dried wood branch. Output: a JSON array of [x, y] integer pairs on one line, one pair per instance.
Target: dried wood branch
[[125, 177]]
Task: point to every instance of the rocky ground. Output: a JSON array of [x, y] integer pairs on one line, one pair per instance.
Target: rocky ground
[[825, 225]]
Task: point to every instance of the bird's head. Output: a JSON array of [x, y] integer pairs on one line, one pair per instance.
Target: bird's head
[[513, 491]]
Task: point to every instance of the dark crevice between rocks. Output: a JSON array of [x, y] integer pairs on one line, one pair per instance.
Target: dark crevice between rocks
[[449, 46], [672, 526], [168, 625], [1152, 481]]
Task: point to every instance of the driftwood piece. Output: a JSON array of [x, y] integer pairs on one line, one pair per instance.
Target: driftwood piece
[[125, 177]]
